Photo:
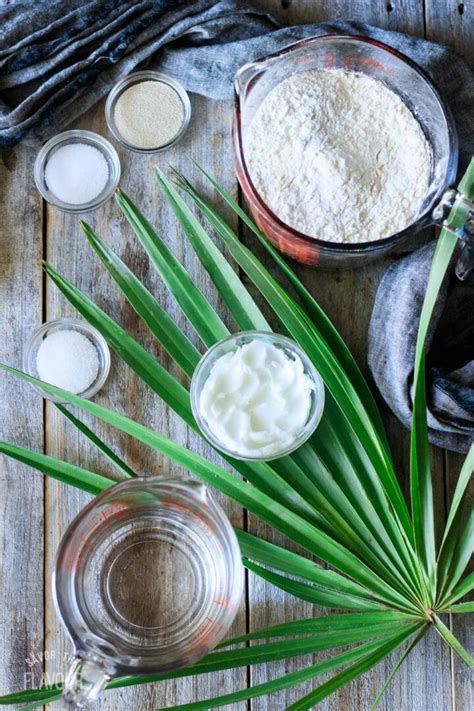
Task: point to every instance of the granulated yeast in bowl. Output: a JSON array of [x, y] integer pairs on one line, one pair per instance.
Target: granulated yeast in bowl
[[148, 115]]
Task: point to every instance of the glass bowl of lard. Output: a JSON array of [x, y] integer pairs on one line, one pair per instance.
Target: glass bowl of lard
[[256, 396], [304, 235]]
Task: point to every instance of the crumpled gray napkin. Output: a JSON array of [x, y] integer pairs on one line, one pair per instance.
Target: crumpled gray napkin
[[59, 57], [450, 348]]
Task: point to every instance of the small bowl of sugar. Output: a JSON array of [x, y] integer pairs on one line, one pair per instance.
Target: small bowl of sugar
[[70, 354], [148, 111], [77, 171]]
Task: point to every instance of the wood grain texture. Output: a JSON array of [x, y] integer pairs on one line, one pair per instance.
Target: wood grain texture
[[347, 297], [399, 15], [430, 679], [461, 625], [453, 23], [21, 421], [69, 252]]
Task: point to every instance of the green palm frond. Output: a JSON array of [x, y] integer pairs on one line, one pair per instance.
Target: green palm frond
[[337, 496]]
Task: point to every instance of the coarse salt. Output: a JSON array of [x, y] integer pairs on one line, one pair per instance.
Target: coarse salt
[[76, 173], [68, 360]]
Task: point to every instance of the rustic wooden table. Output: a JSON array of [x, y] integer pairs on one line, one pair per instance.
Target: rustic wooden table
[[35, 510]]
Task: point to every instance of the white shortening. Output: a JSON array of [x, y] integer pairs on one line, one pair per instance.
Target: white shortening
[[256, 400]]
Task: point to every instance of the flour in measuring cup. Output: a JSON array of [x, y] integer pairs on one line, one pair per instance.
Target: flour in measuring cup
[[338, 156]]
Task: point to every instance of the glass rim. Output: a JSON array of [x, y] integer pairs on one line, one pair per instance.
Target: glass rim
[[90, 138], [71, 324], [64, 584], [318, 395], [136, 78], [423, 220]]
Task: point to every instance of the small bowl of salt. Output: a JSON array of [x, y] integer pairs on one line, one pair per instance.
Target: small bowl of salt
[[69, 354], [77, 171]]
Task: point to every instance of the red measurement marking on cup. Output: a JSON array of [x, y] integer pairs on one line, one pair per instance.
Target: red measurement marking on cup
[[115, 510], [70, 560], [220, 601], [209, 635], [208, 529], [77, 541], [84, 540], [213, 626], [75, 551], [355, 63], [329, 59], [177, 507], [302, 59], [118, 506]]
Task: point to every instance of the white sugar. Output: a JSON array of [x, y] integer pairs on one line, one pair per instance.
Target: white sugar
[[68, 360], [76, 173]]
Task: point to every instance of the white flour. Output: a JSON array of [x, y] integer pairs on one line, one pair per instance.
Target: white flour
[[338, 156]]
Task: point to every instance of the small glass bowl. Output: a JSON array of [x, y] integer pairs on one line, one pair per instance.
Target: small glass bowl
[[67, 324], [137, 78], [77, 136], [229, 345]]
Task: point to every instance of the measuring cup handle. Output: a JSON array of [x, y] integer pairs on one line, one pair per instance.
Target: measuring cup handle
[[84, 681], [455, 214], [244, 76]]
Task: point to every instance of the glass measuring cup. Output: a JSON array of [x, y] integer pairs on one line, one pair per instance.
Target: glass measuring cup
[[366, 56], [148, 579]]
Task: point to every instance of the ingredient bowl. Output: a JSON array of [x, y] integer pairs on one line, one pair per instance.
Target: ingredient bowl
[[138, 78], [365, 56], [87, 138], [148, 579], [272, 403], [67, 324]]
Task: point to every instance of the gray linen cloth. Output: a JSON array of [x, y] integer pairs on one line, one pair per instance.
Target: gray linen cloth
[[59, 57], [450, 348]]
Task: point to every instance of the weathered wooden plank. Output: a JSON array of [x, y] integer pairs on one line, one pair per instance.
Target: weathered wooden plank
[[414, 686], [398, 15], [461, 625], [21, 418], [342, 294], [453, 23], [347, 296], [207, 142]]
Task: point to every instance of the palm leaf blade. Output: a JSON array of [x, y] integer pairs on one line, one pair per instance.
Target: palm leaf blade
[[325, 597], [420, 469], [67, 473], [194, 304], [454, 643], [361, 667], [102, 446], [314, 345], [46, 694], [241, 305], [315, 312], [274, 556], [180, 348], [275, 514]]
